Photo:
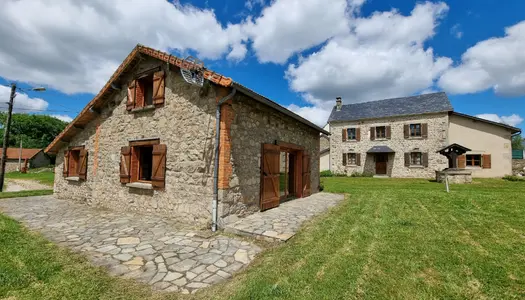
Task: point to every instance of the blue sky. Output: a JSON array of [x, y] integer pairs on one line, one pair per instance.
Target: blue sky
[[298, 53]]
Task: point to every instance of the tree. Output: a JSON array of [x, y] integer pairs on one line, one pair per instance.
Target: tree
[[517, 142], [35, 131]]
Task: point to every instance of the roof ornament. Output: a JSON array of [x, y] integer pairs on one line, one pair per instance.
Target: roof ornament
[[192, 70]]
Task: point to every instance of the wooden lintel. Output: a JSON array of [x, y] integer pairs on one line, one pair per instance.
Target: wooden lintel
[[289, 145]]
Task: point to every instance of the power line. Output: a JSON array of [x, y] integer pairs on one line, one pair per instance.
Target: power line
[[41, 110]]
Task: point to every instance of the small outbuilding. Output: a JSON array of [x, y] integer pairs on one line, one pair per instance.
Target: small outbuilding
[[30, 158]]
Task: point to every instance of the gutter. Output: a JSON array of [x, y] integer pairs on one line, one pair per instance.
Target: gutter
[[215, 200]]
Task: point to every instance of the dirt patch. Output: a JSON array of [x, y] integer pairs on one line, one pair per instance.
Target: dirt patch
[[17, 185]]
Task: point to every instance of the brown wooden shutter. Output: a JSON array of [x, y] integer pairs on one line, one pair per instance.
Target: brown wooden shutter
[[462, 161], [388, 132], [158, 174], [372, 133], [358, 134], [487, 161], [344, 159], [306, 175], [125, 162], [344, 134], [358, 159], [83, 161], [159, 88], [270, 176], [424, 158], [424, 130], [406, 131], [131, 95], [407, 159], [65, 165]]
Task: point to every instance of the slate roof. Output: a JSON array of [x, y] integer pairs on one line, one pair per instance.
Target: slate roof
[[414, 105], [380, 149]]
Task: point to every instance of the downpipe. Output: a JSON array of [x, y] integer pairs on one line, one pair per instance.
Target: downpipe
[[215, 200]]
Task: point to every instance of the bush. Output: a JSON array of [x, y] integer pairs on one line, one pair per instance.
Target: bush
[[329, 173], [513, 178], [364, 174]]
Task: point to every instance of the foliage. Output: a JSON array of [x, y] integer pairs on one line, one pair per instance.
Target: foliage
[[513, 178], [328, 173], [35, 131], [25, 194], [359, 174], [44, 176], [517, 142]]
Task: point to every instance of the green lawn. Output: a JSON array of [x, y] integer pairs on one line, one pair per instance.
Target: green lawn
[[390, 239], [44, 176], [25, 193]]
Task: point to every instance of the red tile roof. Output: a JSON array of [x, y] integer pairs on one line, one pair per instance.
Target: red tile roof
[[13, 153]]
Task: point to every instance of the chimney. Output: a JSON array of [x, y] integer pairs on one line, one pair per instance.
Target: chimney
[[338, 103]]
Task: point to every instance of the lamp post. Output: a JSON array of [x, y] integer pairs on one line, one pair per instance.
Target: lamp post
[[7, 127]]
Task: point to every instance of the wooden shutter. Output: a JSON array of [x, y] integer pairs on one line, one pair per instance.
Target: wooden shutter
[[424, 159], [344, 134], [158, 174], [424, 130], [344, 159], [83, 161], [358, 159], [65, 165], [140, 100], [358, 134], [270, 176], [306, 175], [388, 132], [131, 95], [462, 161], [487, 161], [372, 133], [158, 88], [125, 161], [407, 159], [406, 131]]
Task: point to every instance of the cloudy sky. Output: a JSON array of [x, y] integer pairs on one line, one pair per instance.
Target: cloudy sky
[[300, 53]]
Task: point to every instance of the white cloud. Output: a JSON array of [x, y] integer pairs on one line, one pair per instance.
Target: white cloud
[[383, 56], [22, 103], [497, 63], [456, 31], [512, 120], [290, 26], [75, 46], [64, 118], [251, 4]]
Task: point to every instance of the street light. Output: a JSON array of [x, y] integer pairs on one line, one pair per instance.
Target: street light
[[8, 127]]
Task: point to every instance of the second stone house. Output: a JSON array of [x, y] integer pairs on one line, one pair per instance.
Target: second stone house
[[400, 137]]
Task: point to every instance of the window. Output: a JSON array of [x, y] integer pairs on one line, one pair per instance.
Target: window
[[145, 85], [143, 162], [415, 130], [352, 133], [75, 163], [381, 132], [146, 90], [415, 159], [474, 160], [352, 159]]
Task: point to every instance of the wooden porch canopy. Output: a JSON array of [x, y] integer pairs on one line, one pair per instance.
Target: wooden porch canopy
[[452, 152]]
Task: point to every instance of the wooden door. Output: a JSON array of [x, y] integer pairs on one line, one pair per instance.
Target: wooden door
[[270, 176], [306, 175], [381, 160]]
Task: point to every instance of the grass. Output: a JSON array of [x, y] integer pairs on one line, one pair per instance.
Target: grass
[[44, 176], [390, 239], [25, 193]]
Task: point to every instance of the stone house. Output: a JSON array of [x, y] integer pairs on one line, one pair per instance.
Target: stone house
[[400, 137], [148, 142], [29, 158]]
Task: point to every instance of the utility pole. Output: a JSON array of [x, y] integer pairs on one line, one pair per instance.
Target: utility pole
[[7, 127]]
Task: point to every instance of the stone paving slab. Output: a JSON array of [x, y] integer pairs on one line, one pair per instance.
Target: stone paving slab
[[148, 248], [281, 223]]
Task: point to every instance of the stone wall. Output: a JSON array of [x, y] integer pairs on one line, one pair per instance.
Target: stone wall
[[185, 124], [437, 138], [253, 125], [12, 165], [518, 166]]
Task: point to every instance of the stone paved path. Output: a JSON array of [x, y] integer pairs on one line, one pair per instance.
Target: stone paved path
[[281, 223], [144, 247]]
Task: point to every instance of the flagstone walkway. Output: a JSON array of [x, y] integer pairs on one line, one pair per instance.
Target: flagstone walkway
[[282, 222], [147, 248]]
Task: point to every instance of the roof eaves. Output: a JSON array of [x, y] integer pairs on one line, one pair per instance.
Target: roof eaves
[[511, 128], [394, 116]]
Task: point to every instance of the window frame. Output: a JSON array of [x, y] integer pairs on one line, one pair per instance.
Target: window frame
[[473, 160], [136, 167], [73, 159], [351, 159], [377, 136], [413, 159], [348, 136], [413, 132]]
